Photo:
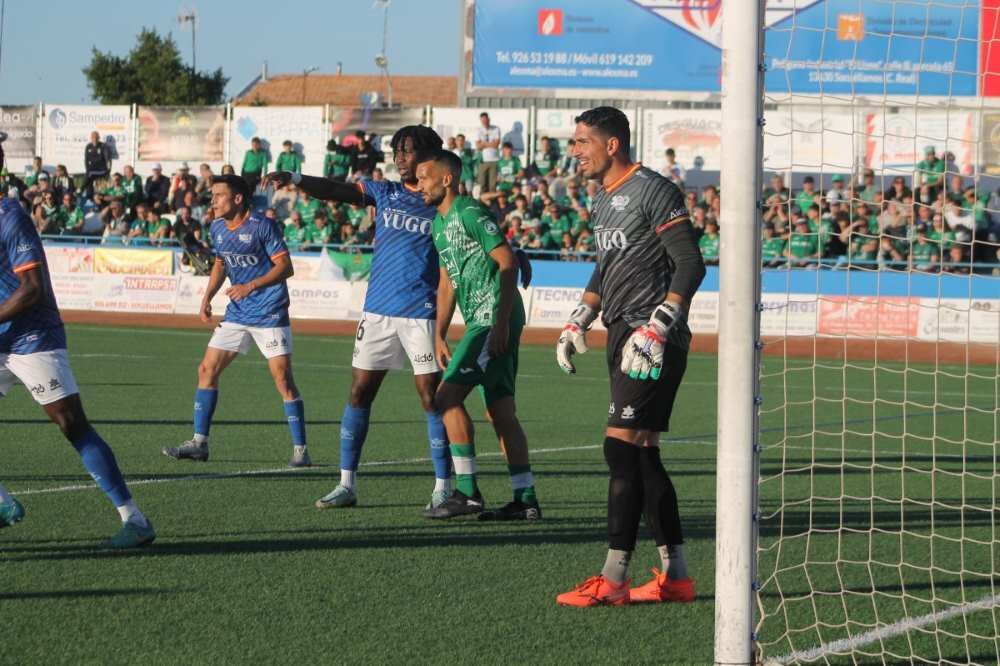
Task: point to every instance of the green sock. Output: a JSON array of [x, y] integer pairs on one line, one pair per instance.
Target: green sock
[[464, 457], [523, 483]]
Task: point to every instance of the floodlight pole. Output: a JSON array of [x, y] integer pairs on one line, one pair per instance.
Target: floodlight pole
[[739, 299]]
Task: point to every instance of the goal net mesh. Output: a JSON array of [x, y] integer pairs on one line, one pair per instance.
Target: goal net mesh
[[878, 536]]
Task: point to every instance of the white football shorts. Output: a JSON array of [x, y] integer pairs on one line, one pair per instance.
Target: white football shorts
[[385, 343], [46, 375], [238, 338]]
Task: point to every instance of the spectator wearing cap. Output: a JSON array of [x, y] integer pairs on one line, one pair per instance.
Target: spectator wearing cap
[[837, 192], [488, 145], [157, 189], [807, 195], [930, 171], [288, 160], [254, 164], [97, 162], [866, 189], [132, 186]]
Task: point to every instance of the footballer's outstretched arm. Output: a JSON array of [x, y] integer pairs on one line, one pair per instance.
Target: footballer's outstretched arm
[[28, 294], [445, 311], [320, 188]]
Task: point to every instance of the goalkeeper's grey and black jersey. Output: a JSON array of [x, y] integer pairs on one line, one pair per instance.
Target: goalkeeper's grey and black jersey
[[634, 268]]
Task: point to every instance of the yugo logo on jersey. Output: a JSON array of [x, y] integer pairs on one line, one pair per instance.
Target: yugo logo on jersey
[[394, 219], [241, 260], [610, 239]]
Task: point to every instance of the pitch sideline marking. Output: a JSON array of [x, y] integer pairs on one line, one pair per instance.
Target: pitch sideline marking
[[887, 631]]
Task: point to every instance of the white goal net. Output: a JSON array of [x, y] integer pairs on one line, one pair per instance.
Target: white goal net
[[878, 537]]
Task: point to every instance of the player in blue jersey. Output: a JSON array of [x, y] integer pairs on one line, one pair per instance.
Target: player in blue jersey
[[400, 307], [33, 352], [250, 250]]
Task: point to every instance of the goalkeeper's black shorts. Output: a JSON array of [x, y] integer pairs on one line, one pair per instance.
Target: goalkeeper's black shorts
[[642, 404]]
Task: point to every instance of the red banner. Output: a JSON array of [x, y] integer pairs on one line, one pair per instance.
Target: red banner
[[989, 49]]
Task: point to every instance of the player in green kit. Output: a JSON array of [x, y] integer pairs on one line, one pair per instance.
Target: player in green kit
[[479, 272]]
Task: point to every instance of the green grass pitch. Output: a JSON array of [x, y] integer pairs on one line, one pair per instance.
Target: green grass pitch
[[246, 569]]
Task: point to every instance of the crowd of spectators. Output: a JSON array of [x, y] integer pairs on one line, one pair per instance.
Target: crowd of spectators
[[939, 221]]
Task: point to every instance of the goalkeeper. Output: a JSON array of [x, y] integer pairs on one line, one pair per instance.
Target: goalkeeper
[[648, 268]]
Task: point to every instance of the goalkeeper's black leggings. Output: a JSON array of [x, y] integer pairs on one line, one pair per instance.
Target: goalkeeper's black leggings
[[639, 485]]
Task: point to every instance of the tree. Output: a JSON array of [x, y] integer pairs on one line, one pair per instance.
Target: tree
[[152, 74]]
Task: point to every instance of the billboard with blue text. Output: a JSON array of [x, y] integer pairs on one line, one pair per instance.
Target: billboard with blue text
[[861, 47]]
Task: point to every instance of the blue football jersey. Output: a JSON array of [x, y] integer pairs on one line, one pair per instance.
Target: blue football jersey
[[40, 328], [248, 252], [404, 275]]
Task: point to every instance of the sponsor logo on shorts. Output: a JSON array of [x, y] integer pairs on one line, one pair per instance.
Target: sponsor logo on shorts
[[628, 413], [611, 409], [54, 384], [37, 389], [426, 357]]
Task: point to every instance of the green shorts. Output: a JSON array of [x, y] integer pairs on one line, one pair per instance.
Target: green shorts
[[471, 364]]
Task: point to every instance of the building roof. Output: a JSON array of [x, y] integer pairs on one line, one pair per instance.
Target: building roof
[[346, 90]]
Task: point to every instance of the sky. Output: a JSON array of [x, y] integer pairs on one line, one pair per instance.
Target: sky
[[42, 54]]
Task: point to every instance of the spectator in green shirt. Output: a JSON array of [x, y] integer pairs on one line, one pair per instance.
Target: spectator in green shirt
[[941, 234], [115, 191], [357, 215], [254, 164], [288, 160], [337, 165], [807, 195], [158, 228], [70, 215], [132, 186], [709, 243], [772, 247], [547, 158], [925, 254], [930, 170], [867, 189], [320, 233], [469, 162], [554, 222], [802, 247], [306, 207], [296, 232], [509, 169], [46, 214]]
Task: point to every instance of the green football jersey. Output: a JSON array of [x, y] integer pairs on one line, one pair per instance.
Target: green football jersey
[[464, 238], [772, 248], [709, 246], [922, 253], [308, 210], [801, 246], [289, 162], [507, 171]]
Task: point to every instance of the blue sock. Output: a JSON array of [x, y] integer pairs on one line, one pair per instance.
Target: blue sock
[[204, 407], [438, 439], [353, 431], [100, 462], [295, 412]]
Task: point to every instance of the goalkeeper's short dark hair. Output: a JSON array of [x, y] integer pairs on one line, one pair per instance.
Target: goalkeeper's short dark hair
[[425, 140], [609, 121]]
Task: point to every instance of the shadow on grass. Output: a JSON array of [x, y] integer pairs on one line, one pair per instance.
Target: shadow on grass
[[83, 594], [942, 604], [463, 533]]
